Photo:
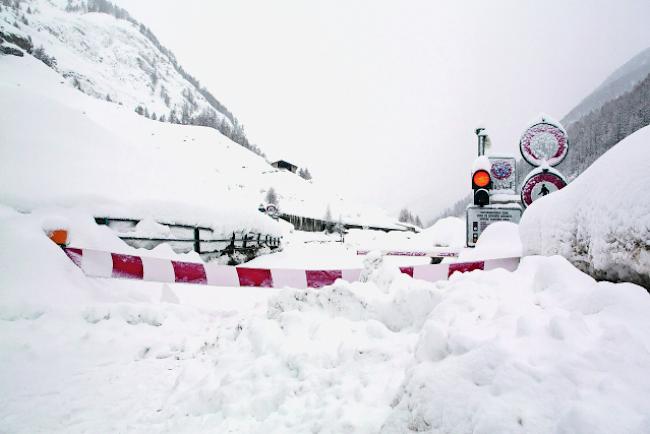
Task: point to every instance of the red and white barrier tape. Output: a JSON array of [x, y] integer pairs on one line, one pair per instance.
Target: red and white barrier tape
[[441, 253], [95, 263]]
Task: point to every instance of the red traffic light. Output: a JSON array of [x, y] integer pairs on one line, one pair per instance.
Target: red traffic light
[[481, 179]]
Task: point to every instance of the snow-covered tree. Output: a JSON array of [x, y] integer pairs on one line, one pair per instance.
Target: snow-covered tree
[[41, 55], [271, 196], [304, 173]]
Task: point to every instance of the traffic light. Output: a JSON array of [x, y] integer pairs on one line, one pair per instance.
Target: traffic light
[[481, 184]]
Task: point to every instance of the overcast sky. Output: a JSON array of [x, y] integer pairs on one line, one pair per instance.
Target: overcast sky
[[380, 98]]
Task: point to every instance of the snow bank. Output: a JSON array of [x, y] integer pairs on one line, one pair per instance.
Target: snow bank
[[446, 232], [543, 349], [601, 221], [498, 240]]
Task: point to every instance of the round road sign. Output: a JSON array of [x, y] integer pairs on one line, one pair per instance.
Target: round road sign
[[272, 210], [541, 184], [502, 169], [544, 142]]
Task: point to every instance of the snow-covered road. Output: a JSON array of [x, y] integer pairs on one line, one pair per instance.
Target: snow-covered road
[[542, 349]]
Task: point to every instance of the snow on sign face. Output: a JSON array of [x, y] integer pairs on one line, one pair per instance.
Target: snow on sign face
[[544, 142], [503, 173], [540, 185]]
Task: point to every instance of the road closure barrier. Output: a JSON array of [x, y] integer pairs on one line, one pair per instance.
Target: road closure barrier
[[96, 263]]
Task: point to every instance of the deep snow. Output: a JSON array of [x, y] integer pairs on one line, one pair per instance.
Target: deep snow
[[63, 148], [601, 221], [543, 349]]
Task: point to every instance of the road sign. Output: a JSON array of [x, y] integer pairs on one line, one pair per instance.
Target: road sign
[[541, 183], [272, 210], [504, 175], [544, 142], [479, 218]]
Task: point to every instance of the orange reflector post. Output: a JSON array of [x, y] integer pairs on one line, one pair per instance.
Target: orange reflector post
[[59, 236], [481, 178]]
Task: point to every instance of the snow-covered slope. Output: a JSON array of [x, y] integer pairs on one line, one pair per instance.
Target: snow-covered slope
[[543, 349], [601, 221], [620, 81], [61, 147], [115, 59]]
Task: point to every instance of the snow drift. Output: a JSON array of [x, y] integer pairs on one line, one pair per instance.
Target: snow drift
[[63, 148], [601, 221], [543, 349]]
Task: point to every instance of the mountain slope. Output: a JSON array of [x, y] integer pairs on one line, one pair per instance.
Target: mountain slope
[[61, 147], [619, 82], [105, 53]]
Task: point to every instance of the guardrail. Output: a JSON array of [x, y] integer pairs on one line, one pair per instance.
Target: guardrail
[[186, 238]]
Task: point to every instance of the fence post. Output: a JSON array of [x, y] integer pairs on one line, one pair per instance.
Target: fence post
[[197, 240]]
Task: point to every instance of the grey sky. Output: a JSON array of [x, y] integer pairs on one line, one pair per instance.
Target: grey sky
[[380, 98]]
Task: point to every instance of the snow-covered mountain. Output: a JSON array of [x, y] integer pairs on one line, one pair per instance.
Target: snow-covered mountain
[[619, 82], [61, 147], [101, 50]]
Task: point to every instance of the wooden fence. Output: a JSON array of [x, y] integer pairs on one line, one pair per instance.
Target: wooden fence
[[186, 238]]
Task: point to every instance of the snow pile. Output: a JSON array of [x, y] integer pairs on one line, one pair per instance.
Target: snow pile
[[24, 293], [446, 232], [498, 240], [601, 221], [543, 349], [481, 163]]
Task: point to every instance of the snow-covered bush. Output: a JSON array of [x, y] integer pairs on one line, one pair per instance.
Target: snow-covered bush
[[601, 221]]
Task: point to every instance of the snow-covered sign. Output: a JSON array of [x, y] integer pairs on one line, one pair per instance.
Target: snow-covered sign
[[479, 218], [272, 210], [545, 142], [503, 174], [540, 183]]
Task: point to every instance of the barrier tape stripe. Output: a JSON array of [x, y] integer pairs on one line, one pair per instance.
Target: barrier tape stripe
[[96, 263], [432, 253]]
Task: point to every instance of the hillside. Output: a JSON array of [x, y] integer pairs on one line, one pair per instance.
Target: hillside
[[619, 82], [61, 147], [102, 51]]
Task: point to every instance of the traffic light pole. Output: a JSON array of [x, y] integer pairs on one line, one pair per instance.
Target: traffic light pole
[[480, 133]]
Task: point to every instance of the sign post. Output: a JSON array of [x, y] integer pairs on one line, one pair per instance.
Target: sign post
[[544, 144], [491, 176], [272, 211]]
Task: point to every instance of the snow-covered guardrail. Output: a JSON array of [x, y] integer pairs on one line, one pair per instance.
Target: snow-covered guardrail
[[95, 263]]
